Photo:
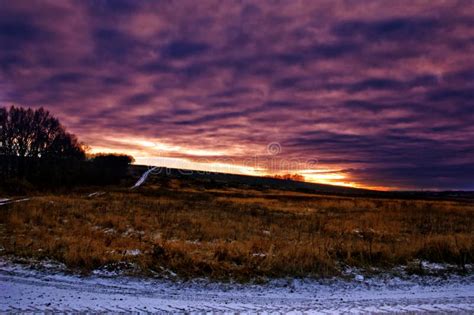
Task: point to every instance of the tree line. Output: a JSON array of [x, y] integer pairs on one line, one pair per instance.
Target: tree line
[[36, 152]]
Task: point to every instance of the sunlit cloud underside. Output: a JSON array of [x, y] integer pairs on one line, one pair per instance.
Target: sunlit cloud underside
[[266, 164]]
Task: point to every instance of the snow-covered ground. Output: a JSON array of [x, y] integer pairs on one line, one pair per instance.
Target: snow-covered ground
[[6, 201], [96, 194], [144, 177], [24, 289]]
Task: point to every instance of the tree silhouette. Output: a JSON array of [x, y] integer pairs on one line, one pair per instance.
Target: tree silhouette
[[293, 177], [36, 152], [36, 134]]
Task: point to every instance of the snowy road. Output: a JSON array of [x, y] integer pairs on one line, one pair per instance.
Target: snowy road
[[22, 289], [144, 177]]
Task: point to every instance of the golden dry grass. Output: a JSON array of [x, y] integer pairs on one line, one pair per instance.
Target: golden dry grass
[[236, 234]]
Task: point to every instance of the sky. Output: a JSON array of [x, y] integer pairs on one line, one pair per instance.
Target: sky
[[376, 94]]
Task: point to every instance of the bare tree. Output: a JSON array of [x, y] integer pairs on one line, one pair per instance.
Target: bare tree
[[35, 134], [3, 131]]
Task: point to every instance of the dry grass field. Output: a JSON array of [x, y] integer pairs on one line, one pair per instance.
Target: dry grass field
[[239, 234]]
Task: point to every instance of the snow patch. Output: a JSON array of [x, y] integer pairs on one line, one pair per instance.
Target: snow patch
[[133, 252], [144, 177], [10, 201], [110, 231], [96, 194]]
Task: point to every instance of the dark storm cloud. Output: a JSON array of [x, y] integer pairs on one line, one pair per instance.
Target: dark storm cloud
[[184, 49], [108, 7], [66, 78], [417, 28], [378, 92], [453, 95], [319, 51], [17, 33], [140, 98]]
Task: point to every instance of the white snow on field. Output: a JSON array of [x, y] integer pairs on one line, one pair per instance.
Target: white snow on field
[[133, 252], [6, 201], [96, 194], [144, 177], [23, 289]]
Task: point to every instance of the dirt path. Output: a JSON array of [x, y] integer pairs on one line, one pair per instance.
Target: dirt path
[[22, 289]]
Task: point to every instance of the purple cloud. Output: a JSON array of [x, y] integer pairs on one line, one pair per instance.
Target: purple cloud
[[380, 93]]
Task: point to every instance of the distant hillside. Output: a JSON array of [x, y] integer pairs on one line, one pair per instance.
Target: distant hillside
[[219, 180]]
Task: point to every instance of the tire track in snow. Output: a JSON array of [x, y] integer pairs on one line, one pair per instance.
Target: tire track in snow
[[143, 178], [7, 201], [22, 289]]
